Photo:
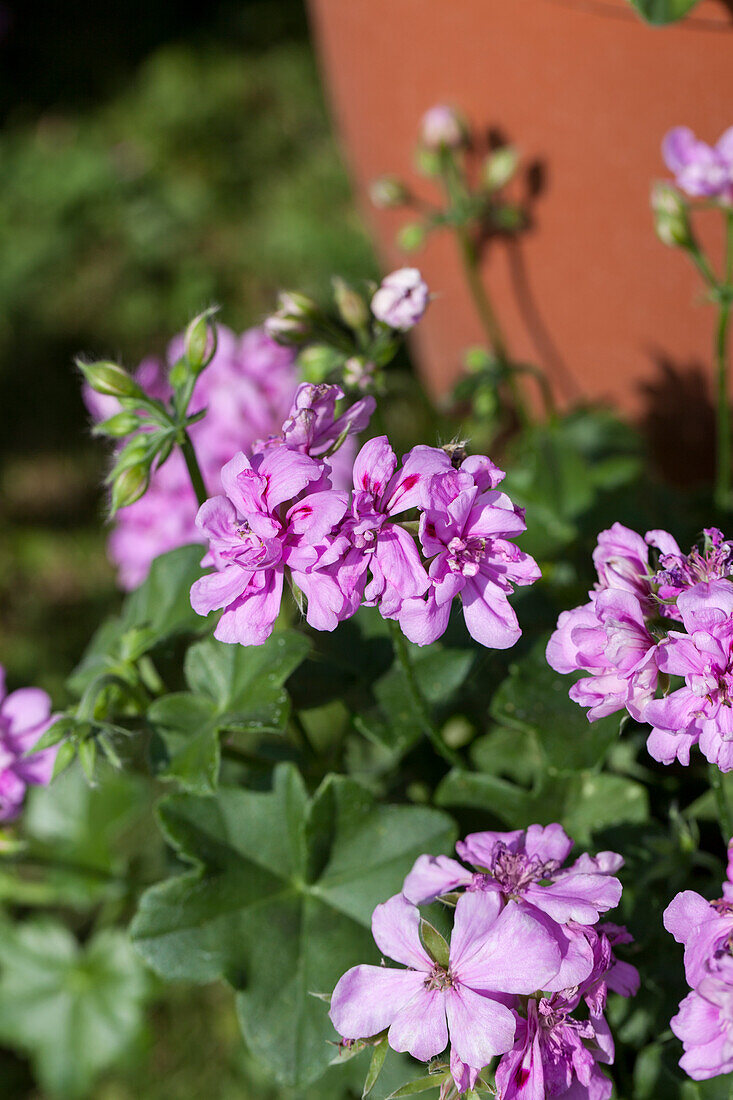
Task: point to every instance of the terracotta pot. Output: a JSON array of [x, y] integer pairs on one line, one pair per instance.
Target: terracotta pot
[[586, 91]]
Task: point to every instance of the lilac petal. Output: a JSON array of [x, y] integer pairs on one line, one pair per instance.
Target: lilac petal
[[483, 471], [464, 1077], [724, 145], [679, 148], [399, 562], [667, 747], [624, 979], [578, 642], [480, 848], [706, 605], [576, 963], [571, 896], [396, 931], [217, 590], [374, 466], [517, 955], [217, 520], [679, 655], [367, 999], [327, 605], [432, 876], [486, 520], [423, 621], [489, 617], [317, 514], [475, 913], [287, 473], [420, 1027], [548, 842], [520, 1073], [250, 619], [479, 1027], [229, 479], [676, 711], [664, 542], [26, 708], [684, 915], [407, 487]]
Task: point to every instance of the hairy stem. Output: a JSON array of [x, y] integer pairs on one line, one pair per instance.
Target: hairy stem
[[431, 731]]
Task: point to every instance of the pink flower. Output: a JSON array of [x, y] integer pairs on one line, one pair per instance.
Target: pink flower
[[556, 1054], [312, 426], [526, 867], [25, 715], [702, 710], [678, 572], [465, 530], [247, 390], [607, 637], [704, 1023], [621, 558], [701, 170], [493, 952], [401, 299], [705, 928], [371, 539], [278, 512], [442, 128]]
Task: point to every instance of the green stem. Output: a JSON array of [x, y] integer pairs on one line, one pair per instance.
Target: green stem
[[724, 819], [431, 731], [194, 470]]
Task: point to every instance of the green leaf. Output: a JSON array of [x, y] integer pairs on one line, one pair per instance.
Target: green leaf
[[585, 802], [234, 688], [660, 12], [535, 699], [74, 1010], [434, 943], [422, 1084], [280, 901], [375, 1066], [159, 610]]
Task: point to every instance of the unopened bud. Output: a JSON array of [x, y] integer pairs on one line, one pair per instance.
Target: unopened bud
[[286, 330], [358, 372], [129, 486], [119, 425], [411, 237], [200, 340], [296, 306], [351, 306], [671, 220], [499, 167], [388, 192], [317, 362], [443, 128], [109, 379]]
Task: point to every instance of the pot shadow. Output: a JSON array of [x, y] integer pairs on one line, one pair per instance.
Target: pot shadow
[[679, 422]]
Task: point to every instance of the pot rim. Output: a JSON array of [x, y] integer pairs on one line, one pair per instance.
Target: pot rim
[[718, 16]]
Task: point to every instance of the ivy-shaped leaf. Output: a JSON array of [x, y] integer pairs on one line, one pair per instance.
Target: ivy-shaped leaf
[[73, 1009], [237, 688], [279, 902]]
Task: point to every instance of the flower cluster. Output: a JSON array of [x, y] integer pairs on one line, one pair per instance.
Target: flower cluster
[[246, 391], [25, 715], [343, 549], [701, 170], [527, 952], [622, 637], [704, 1022]]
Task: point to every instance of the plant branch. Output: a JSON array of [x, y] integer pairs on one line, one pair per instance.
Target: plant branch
[[194, 470]]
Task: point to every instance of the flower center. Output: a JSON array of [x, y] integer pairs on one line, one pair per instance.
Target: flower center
[[513, 872], [465, 555], [439, 979]]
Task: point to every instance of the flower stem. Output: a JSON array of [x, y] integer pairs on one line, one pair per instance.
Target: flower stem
[[724, 820], [722, 397], [402, 654], [194, 470]]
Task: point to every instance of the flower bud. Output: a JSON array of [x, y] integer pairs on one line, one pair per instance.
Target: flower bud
[[442, 128], [129, 486], [286, 330], [388, 192], [351, 306], [671, 220], [358, 372], [296, 306], [401, 299], [119, 425], [109, 379], [199, 342], [411, 237], [499, 167]]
